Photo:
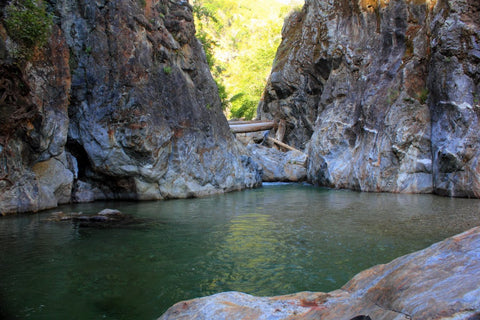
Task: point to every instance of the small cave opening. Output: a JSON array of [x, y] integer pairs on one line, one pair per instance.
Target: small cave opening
[[78, 151]]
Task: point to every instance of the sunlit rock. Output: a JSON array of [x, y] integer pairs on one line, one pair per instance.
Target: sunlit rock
[[279, 166], [440, 282], [382, 95]]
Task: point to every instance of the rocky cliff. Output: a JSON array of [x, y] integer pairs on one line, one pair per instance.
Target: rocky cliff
[[118, 104], [383, 95], [440, 282]]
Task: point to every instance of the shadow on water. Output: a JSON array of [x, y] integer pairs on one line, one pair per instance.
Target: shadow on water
[[273, 240], [5, 313]]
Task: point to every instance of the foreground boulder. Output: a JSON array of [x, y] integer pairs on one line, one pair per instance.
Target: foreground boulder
[[440, 282], [382, 95]]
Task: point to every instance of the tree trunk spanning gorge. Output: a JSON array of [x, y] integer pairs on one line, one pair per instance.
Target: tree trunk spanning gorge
[[119, 104], [383, 95]]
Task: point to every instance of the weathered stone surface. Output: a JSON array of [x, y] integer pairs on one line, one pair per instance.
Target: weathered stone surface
[[34, 172], [145, 112], [55, 181], [277, 165], [440, 282], [454, 83], [123, 98], [372, 89]]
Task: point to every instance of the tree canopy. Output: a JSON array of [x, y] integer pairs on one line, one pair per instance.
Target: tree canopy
[[240, 39]]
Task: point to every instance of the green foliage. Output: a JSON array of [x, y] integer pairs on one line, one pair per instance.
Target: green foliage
[[392, 95], [208, 45], [167, 69], [29, 24], [240, 39], [222, 92], [423, 96], [243, 107]]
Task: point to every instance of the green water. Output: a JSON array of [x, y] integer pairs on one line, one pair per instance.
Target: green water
[[274, 240]]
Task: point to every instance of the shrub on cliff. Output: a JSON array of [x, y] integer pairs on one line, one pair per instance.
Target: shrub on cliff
[[29, 24]]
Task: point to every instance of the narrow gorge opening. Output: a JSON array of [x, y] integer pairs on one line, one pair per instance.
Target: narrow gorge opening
[[240, 39]]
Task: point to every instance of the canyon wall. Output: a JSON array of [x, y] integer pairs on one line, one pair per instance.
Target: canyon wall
[[383, 95], [119, 104]]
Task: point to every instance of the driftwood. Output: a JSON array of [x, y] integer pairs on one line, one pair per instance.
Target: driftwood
[[253, 126], [250, 126], [234, 122], [283, 145], [282, 127]]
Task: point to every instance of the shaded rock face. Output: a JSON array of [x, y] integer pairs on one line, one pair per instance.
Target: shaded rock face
[[146, 120], [454, 83], [279, 166], [119, 104], [34, 167], [440, 282], [366, 91]]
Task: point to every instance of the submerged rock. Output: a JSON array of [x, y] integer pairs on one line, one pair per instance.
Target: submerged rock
[[107, 218], [440, 282]]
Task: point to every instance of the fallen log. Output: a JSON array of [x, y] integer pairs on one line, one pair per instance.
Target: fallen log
[[282, 127], [251, 127], [234, 122], [284, 145]]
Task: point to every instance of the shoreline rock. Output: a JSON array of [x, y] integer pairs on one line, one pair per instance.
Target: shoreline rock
[[382, 96], [119, 104], [279, 166], [439, 282]]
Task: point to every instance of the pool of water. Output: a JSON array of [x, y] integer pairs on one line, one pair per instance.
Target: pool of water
[[274, 240]]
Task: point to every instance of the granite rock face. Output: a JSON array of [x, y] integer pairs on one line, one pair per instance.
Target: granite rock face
[[277, 165], [34, 168], [454, 83], [382, 95], [119, 104], [440, 282], [146, 120]]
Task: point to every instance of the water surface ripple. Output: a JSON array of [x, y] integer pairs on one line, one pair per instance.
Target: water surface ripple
[[275, 240]]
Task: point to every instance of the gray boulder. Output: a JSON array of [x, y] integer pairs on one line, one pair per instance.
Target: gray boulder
[[279, 166]]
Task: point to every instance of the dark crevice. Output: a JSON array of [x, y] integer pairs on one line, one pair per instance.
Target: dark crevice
[[83, 161], [361, 317]]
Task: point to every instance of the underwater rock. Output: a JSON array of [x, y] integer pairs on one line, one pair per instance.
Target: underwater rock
[[439, 282], [107, 218]]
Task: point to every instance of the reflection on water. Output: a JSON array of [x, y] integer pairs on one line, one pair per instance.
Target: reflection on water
[[274, 240]]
